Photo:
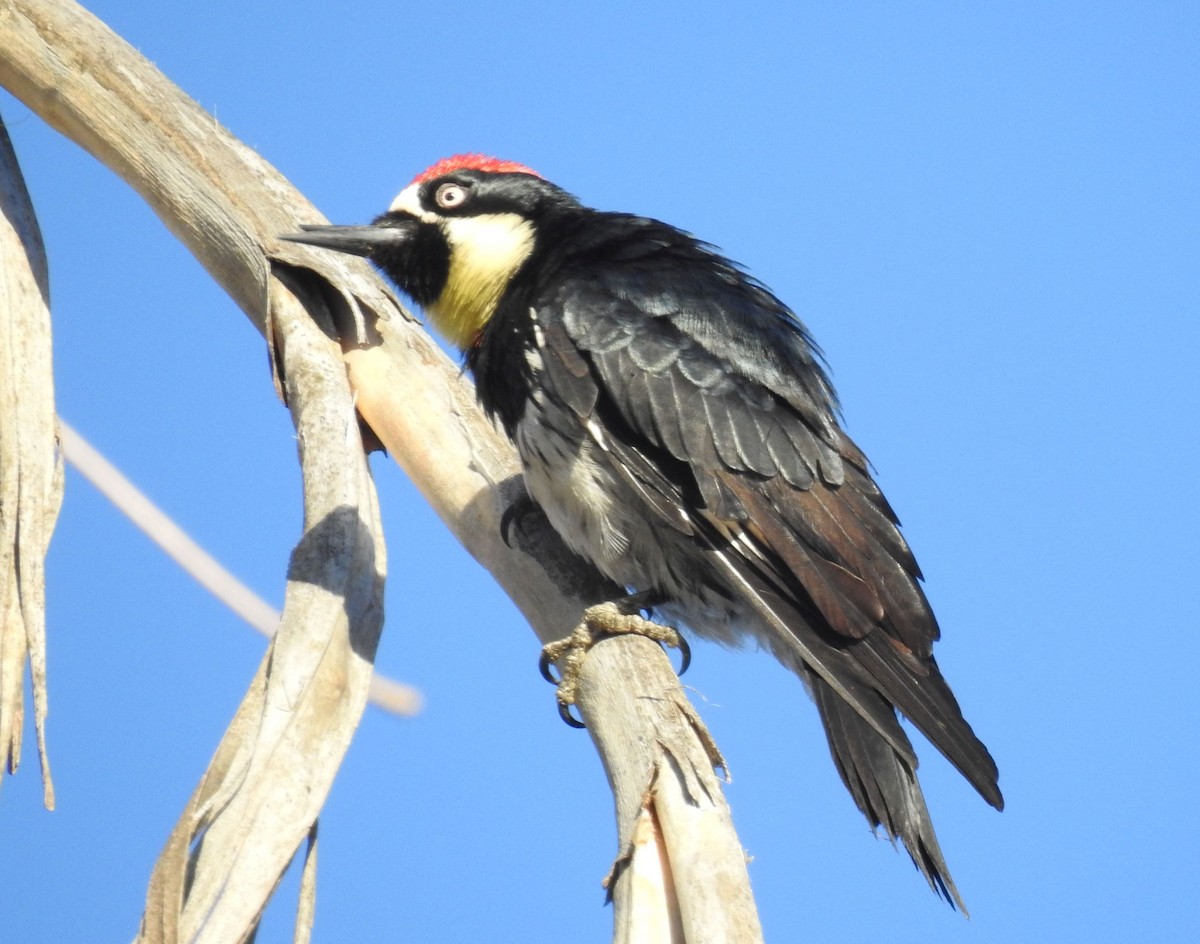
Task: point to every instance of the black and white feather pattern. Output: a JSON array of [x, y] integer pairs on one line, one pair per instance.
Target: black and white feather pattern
[[679, 430]]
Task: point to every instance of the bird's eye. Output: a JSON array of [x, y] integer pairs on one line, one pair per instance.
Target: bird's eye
[[450, 196]]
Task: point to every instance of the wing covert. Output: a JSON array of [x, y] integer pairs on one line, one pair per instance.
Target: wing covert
[[692, 402], [737, 435]]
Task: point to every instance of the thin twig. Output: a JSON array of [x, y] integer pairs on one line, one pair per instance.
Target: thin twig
[[386, 693]]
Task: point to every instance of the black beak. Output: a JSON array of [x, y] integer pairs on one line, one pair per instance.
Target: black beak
[[355, 240]]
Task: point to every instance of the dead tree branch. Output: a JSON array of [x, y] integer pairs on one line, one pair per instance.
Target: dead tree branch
[[260, 797]]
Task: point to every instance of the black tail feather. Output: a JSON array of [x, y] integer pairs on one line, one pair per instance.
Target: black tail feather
[[884, 786], [926, 700]]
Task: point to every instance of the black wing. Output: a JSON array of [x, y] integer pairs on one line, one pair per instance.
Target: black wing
[[722, 418]]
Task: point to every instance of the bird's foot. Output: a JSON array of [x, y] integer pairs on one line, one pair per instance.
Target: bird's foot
[[614, 618]]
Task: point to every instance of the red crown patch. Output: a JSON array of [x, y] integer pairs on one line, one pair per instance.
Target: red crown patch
[[481, 162]]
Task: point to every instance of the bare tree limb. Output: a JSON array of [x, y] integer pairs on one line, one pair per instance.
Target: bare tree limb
[[687, 872], [31, 481], [227, 205], [273, 769], [271, 773]]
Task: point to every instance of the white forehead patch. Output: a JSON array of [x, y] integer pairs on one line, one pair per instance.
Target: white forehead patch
[[407, 201]]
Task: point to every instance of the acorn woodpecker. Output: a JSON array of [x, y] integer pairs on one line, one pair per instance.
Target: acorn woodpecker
[[678, 428]]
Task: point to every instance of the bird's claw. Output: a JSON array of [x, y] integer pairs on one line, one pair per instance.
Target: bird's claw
[[564, 712], [685, 653], [513, 515], [604, 619], [544, 663]]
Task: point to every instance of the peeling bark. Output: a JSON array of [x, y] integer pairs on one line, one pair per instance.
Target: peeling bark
[[31, 477]]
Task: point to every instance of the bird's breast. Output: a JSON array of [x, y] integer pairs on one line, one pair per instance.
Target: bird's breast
[[566, 474], [588, 502]]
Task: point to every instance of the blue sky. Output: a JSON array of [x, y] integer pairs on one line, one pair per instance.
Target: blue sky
[[988, 214]]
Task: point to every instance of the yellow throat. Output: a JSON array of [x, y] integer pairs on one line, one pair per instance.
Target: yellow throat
[[485, 253]]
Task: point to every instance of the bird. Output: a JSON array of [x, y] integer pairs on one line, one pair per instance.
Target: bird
[[677, 425]]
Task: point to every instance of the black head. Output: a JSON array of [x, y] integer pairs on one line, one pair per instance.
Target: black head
[[454, 238]]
